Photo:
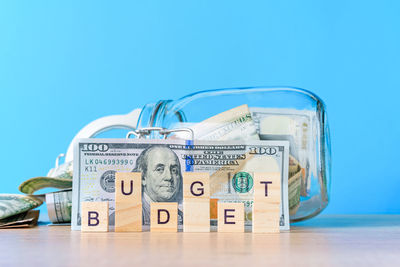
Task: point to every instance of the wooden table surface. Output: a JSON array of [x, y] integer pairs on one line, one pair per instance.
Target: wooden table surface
[[323, 241]]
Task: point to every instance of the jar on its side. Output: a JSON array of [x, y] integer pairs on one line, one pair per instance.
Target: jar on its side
[[286, 113]]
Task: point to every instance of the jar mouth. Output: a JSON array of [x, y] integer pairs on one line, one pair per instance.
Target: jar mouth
[[152, 115], [157, 109], [146, 117]]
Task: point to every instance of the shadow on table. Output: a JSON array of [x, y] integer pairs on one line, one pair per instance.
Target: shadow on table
[[343, 221]]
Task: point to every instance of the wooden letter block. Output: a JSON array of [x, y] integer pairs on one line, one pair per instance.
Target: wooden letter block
[[128, 202], [196, 216], [267, 202], [196, 202], [128, 187], [230, 217], [196, 185], [164, 217], [128, 217], [94, 216]]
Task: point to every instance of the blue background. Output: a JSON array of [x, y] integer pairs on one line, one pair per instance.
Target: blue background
[[63, 65]]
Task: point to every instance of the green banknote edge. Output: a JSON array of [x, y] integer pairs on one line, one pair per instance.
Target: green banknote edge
[[12, 204], [32, 185]]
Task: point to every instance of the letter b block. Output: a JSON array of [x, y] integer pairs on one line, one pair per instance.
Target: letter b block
[[163, 217], [230, 217], [94, 216], [196, 202]]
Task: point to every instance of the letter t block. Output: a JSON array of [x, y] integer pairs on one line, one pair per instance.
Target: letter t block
[[267, 202], [94, 216]]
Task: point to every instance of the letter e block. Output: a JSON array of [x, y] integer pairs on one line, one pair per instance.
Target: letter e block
[[196, 202], [128, 202], [267, 202], [163, 217], [230, 217], [94, 216]]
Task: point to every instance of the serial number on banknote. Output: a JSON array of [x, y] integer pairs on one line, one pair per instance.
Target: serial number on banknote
[[108, 162]]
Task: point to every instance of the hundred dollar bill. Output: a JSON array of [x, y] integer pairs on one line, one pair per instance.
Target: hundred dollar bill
[[231, 165], [12, 204]]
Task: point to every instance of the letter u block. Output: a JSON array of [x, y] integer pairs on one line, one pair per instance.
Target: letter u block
[[128, 202], [164, 217], [267, 202], [94, 216], [230, 217], [196, 202]]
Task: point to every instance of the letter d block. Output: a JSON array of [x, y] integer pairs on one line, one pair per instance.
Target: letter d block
[[230, 217], [267, 202], [128, 202], [163, 217], [196, 202], [94, 216]]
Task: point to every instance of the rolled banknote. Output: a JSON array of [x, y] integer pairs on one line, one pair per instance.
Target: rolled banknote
[[295, 182], [12, 204], [59, 206]]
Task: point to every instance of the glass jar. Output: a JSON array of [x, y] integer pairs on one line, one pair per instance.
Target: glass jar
[[286, 113], [272, 113]]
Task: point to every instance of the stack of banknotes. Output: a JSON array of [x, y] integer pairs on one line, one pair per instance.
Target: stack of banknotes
[[17, 210], [231, 146]]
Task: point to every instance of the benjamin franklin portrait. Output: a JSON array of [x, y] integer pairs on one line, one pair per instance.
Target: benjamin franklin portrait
[[161, 178]]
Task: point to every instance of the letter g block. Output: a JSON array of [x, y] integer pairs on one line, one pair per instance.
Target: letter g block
[[196, 202], [94, 216]]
